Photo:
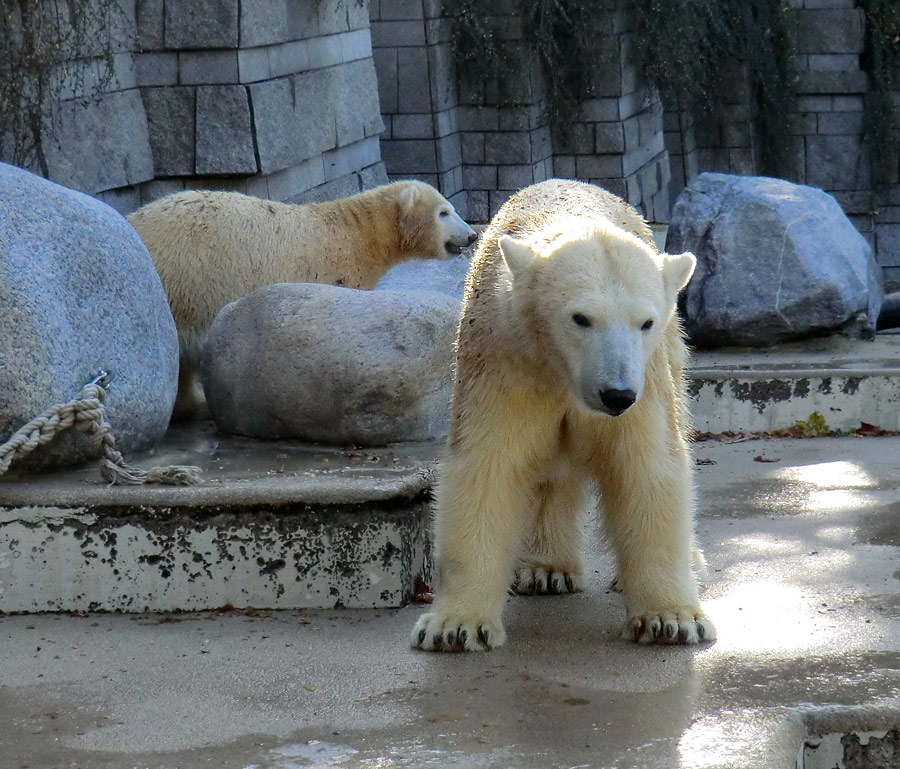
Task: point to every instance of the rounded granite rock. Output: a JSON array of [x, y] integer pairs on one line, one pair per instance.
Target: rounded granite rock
[[775, 261], [333, 365], [79, 295]]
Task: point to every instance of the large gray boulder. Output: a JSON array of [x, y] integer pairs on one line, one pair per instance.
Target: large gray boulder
[[331, 364], [79, 294], [446, 276], [775, 261]]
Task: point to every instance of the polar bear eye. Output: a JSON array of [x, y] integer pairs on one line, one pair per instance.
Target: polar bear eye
[[445, 213], [581, 320], [648, 324]]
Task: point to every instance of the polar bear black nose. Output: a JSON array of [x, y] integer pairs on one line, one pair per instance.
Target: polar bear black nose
[[472, 238], [617, 401]]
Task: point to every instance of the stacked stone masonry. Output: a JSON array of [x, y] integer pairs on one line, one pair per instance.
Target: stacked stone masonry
[[301, 99], [480, 146], [277, 100], [274, 99], [418, 95], [828, 126]]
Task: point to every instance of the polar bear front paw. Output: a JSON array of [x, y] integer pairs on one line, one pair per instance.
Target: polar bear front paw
[[532, 579], [447, 632], [690, 626]]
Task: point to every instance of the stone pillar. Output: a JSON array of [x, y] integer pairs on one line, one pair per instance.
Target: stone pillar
[[418, 94], [618, 142]]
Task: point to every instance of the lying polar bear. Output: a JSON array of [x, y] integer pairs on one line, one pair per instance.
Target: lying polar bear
[[211, 248]]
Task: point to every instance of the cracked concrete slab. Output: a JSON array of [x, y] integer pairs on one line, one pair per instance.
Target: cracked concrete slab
[[272, 524], [804, 588]]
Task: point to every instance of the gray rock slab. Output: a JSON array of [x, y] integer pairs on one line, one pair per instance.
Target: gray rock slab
[[331, 364], [101, 144], [444, 276], [271, 524], [224, 131], [171, 115], [202, 24], [775, 261], [79, 294]]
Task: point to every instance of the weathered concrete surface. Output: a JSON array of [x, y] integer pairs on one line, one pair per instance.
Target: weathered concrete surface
[[275, 525], [804, 588], [847, 381]]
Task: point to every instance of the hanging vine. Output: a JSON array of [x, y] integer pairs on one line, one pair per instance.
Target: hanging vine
[[53, 49], [493, 53], [698, 49], [707, 51], [882, 61]]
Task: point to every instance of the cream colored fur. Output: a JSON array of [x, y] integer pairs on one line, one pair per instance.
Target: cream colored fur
[[211, 248], [526, 447]]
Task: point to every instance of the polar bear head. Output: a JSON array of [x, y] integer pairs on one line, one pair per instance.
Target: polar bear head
[[596, 302], [429, 225]]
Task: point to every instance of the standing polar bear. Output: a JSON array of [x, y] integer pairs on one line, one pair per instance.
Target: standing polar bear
[[568, 377], [211, 248]]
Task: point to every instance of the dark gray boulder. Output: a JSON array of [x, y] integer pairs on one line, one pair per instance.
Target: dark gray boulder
[[79, 294], [775, 261], [331, 364]]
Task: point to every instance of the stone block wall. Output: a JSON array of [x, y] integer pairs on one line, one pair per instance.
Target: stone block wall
[[421, 137], [274, 98], [619, 141], [828, 128], [100, 139], [479, 146]]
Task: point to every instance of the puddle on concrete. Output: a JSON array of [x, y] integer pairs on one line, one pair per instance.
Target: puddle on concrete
[[760, 497], [839, 679], [880, 526], [313, 753]]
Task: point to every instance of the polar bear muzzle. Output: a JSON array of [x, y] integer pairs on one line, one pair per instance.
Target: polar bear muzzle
[[455, 233], [611, 379]]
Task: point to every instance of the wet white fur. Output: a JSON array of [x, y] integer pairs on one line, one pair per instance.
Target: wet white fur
[[529, 441], [211, 248]]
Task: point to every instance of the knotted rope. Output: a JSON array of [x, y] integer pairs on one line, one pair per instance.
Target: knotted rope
[[86, 412]]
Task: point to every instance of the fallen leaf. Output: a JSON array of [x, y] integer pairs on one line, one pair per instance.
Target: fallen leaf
[[311, 688], [422, 592], [731, 437], [761, 458], [870, 431], [814, 427], [705, 461]]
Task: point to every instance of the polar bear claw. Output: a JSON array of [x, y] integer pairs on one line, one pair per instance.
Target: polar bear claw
[[439, 631], [537, 580], [686, 627]]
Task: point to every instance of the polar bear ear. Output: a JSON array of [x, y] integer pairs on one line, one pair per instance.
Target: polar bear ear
[[677, 271], [407, 198], [517, 255]]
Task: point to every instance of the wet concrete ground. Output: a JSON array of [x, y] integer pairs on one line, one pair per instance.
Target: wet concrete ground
[[804, 589]]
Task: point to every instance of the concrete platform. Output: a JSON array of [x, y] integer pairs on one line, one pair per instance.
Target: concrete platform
[[272, 525], [847, 381], [804, 588], [287, 525]]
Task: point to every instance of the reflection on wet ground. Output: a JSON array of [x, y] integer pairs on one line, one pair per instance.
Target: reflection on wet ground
[[804, 587]]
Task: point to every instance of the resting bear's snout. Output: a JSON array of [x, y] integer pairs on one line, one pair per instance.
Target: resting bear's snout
[[617, 401]]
